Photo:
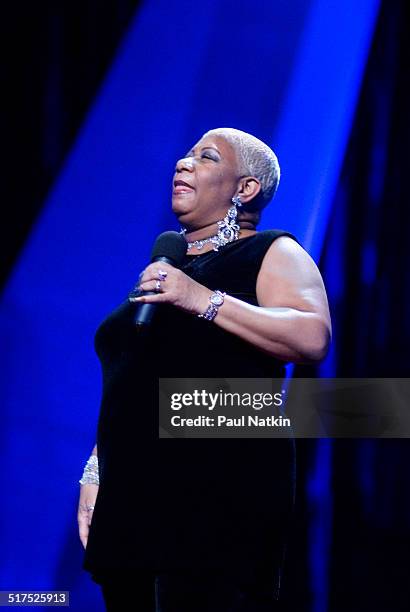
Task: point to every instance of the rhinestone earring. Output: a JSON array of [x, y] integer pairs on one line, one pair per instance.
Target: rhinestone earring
[[228, 229], [236, 201]]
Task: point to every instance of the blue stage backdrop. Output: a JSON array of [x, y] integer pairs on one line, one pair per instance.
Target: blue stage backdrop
[[290, 73]]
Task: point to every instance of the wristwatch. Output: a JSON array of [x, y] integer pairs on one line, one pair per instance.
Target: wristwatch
[[216, 299]]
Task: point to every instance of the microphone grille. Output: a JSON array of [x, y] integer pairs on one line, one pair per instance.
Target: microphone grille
[[171, 245]]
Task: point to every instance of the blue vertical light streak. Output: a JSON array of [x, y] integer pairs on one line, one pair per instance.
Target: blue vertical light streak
[[311, 138]]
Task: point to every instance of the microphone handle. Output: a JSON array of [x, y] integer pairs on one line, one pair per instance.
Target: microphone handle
[[145, 312]]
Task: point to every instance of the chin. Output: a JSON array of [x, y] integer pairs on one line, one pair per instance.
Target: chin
[[186, 220], [181, 207]]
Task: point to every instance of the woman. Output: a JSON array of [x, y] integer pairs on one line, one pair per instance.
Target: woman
[[199, 524]]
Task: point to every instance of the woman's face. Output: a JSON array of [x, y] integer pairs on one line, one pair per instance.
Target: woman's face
[[204, 182]]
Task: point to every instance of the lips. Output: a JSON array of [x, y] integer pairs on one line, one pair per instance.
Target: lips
[[181, 186]]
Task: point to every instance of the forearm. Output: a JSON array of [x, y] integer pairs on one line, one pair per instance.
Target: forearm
[[299, 333], [285, 333]]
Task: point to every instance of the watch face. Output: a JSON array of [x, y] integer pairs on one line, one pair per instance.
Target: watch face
[[217, 299]]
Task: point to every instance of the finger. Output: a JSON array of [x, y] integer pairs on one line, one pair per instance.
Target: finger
[[153, 285], [86, 505], [85, 513], [152, 271], [152, 298], [148, 277], [83, 530]]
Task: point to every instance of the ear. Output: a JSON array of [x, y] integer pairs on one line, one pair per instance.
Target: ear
[[249, 187]]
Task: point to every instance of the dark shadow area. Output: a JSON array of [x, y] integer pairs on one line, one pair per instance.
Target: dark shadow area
[[55, 56]]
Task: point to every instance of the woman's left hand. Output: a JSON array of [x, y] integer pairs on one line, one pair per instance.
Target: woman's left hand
[[176, 288]]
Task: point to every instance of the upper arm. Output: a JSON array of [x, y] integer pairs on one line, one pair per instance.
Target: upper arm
[[289, 278]]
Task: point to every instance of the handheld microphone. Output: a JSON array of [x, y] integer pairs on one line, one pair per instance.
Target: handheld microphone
[[169, 247]]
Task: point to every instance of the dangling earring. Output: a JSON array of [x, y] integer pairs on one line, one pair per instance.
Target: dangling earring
[[230, 219], [237, 201], [233, 210], [228, 228]]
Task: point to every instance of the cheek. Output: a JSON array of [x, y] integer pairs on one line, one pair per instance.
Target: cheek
[[217, 182]]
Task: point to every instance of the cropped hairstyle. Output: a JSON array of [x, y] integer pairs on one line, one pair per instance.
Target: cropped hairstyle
[[256, 159]]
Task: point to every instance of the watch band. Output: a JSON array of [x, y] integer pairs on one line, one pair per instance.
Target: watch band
[[216, 301]]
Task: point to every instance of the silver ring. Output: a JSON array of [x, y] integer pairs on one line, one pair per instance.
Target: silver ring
[[162, 274], [158, 285], [89, 508]]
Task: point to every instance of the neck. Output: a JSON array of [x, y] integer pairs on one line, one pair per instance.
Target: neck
[[246, 229], [201, 233], [210, 230]]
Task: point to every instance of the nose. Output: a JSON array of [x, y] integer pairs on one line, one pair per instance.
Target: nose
[[184, 164]]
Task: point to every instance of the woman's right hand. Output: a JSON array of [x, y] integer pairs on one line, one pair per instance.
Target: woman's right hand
[[88, 498]]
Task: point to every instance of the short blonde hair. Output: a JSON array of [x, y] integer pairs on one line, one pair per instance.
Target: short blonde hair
[[255, 158]]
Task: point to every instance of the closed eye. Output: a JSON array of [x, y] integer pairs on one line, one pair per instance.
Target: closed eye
[[206, 154]]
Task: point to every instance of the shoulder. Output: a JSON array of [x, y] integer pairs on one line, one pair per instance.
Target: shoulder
[[273, 235], [288, 274], [282, 250], [285, 250]]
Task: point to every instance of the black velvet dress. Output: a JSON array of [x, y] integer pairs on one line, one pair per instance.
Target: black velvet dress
[[170, 504]]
